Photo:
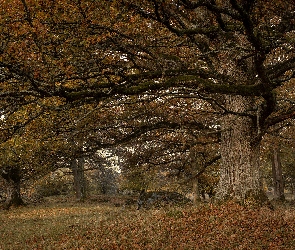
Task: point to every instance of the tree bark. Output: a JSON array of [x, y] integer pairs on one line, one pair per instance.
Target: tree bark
[[79, 179], [13, 194], [240, 178], [278, 180]]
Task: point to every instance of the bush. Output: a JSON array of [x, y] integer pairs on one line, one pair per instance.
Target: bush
[[160, 199], [51, 187]]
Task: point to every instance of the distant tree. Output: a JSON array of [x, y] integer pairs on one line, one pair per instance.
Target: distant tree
[[175, 150], [277, 159], [277, 173], [104, 171], [77, 167]]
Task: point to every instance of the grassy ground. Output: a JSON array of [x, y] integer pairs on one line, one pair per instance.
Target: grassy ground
[[109, 226]]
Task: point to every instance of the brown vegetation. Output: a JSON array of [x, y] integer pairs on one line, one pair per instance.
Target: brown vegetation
[[105, 226]]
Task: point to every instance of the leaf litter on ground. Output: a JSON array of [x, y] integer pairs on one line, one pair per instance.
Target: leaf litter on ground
[[103, 226]]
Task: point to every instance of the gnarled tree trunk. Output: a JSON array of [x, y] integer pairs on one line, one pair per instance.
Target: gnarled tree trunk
[[240, 151], [13, 194]]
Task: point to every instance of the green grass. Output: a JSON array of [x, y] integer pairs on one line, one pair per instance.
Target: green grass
[[42, 226], [105, 226]]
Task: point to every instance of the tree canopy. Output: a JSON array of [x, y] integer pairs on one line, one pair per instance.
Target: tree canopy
[[65, 64]]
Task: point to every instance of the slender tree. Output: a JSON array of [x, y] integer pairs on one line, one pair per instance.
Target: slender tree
[[278, 180]]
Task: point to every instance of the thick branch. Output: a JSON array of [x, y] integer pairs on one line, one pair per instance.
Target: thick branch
[[205, 166], [280, 118]]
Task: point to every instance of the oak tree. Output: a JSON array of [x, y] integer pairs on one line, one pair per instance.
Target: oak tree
[[237, 56]]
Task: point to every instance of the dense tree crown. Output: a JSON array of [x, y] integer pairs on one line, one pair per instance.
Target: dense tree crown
[[182, 76]]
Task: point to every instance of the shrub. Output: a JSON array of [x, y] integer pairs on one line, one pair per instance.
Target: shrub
[[160, 199]]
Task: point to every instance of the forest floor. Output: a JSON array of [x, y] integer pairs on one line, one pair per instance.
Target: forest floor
[[113, 225]]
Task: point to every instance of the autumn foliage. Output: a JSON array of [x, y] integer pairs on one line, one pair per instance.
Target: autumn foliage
[[93, 226]]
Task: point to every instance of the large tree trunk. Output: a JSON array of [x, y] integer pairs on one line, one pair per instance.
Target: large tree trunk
[[79, 179], [278, 180], [13, 194], [240, 151]]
